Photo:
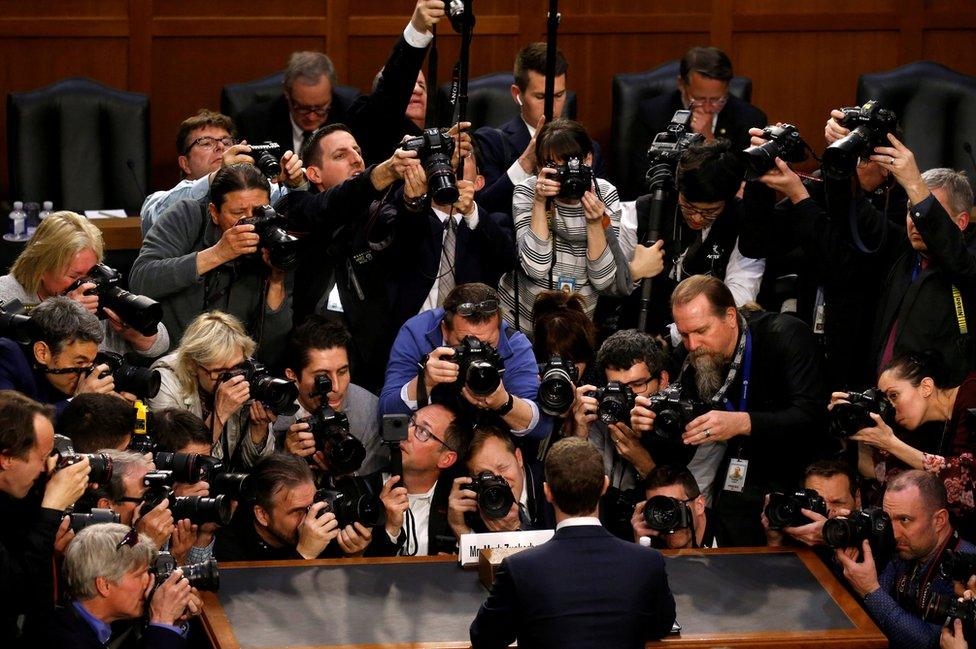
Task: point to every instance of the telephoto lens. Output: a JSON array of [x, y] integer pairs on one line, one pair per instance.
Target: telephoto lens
[[81, 520], [495, 498], [557, 389], [201, 509]]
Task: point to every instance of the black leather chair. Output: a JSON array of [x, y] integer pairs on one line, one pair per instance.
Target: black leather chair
[[235, 97], [490, 101], [629, 90], [79, 144], [937, 109]]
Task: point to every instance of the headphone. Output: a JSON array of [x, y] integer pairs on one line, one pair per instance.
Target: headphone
[[518, 99]]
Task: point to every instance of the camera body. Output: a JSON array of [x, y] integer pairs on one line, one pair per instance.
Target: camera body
[[667, 515], [277, 394], [138, 311], [871, 523], [266, 157], [616, 400], [557, 389], [101, 464], [15, 323], [81, 520], [845, 419], [575, 178], [434, 149], [784, 508], [666, 149], [343, 452], [479, 366], [352, 501], [202, 576], [673, 412], [944, 608], [140, 381], [495, 497], [283, 248], [783, 142], [870, 125]]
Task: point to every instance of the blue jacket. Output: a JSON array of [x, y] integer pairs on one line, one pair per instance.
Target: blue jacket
[[17, 373], [421, 334]]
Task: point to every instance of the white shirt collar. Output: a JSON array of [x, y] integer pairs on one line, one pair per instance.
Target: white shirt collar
[[578, 521], [530, 127], [444, 215], [524, 498], [425, 496]]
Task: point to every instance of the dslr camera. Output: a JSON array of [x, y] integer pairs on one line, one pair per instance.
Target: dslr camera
[[870, 125], [479, 366], [140, 381], [15, 324], [266, 157], [616, 400], [870, 523], [190, 468], [783, 142], [557, 390], [81, 520], [784, 508], [845, 419], [943, 608], [198, 509], [575, 178], [101, 464], [352, 501], [495, 497], [277, 394], [342, 451], [666, 514], [137, 311], [435, 148], [958, 566], [666, 150], [673, 412], [202, 576], [283, 248]]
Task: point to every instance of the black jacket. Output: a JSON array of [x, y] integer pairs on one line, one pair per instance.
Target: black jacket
[[239, 541], [583, 588], [66, 629], [538, 513]]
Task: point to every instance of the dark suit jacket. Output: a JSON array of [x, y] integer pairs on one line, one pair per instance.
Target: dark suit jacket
[[583, 588], [499, 148], [68, 630], [17, 373], [654, 115]]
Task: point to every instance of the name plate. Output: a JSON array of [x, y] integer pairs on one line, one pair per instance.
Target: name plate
[[472, 544]]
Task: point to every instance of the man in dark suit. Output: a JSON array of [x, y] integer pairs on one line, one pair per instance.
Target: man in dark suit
[[508, 152], [703, 88], [583, 588]]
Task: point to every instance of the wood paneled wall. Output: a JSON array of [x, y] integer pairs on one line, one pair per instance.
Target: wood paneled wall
[[804, 56]]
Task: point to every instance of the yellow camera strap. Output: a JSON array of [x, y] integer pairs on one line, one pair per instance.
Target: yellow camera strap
[[960, 310]]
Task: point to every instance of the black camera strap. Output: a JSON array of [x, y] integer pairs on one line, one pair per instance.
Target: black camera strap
[[913, 589]]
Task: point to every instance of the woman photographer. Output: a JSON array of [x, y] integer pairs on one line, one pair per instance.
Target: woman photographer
[[564, 242], [199, 377], [915, 383], [64, 249]]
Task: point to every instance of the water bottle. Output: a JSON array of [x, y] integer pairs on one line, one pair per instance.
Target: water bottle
[[33, 218], [46, 211], [18, 224]]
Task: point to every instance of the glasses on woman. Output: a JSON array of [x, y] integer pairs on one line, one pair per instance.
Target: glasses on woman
[[422, 433]]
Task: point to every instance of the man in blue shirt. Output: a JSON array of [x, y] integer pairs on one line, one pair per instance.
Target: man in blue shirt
[[421, 368]]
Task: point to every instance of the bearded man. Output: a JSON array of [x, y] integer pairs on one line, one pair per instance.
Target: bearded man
[[755, 376]]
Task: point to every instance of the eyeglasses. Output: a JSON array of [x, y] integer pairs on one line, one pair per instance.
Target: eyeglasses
[[208, 143], [307, 109], [130, 539], [714, 102], [710, 213], [467, 309], [217, 373], [423, 434], [639, 385], [69, 370]]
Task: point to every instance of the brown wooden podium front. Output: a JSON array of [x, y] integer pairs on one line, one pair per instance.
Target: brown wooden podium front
[[746, 597]]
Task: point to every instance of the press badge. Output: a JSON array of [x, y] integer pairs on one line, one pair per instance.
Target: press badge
[[567, 284], [735, 479]]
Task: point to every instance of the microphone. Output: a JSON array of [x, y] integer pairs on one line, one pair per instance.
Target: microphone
[[135, 178]]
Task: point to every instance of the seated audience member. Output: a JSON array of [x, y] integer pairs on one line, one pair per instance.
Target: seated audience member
[[762, 423], [428, 341], [674, 489], [916, 502], [95, 421], [509, 151], [621, 599], [577, 249], [416, 502], [837, 484], [281, 520], [176, 430], [32, 530], [318, 353], [113, 599], [492, 453], [703, 88], [195, 378], [59, 361], [199, 257], [64, 249]]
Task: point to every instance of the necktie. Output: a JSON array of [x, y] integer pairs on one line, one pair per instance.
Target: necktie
[[306, 136], [445, 272]]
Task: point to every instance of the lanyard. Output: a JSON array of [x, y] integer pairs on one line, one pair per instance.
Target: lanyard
[[746, 374]]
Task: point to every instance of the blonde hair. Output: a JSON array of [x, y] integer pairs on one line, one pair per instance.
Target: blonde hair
[[58, 239], [210, 338]]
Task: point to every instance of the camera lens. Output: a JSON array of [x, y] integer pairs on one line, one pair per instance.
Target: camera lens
[[482, 377], [201, 510], [664, 514], [342, 451], [845, 419], [441, 181], [277, 394], [268, 165], [840, 532], [283, 248], [203, 576], [495, 498], [231, 485], [556, 392], [101, 468], [840, 158], [613, 409], [81, 520]]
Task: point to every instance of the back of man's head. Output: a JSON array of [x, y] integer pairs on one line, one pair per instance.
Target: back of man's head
[[174, 429], [202, 119], [96, 552], [715, 291], [532, 58], [17, 433], [709, 172], [931, 489], [308, 67], [317, 332], [958, 191], [97, 421], [709, 62], [60, 320], [665, 475], [274, 473], [574, 474]]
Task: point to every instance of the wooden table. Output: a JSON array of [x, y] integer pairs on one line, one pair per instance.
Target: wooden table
[[120, 234], [428, 602]]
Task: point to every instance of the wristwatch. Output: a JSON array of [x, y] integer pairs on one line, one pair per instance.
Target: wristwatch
[[507, 408]]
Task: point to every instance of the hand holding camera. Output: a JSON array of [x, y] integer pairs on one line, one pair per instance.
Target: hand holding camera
[[292, 173], [66, 485], [237, 241], [863, 575], [642, 415], [299, 440], [169, 599], [316, 531], [880, 435], [353, 539], [439, 368], [463, 147], [395, 502], [230, 396], [546, 185], [85, 295], [585, 408], [900, 161], [639, 522], [157, 523], [460, 502], [414, 183], [100, 380], [260, 420]]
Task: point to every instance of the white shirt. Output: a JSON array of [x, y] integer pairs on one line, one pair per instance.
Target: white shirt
[[420, 509], [472, 221], [296, 136], [578, 521]]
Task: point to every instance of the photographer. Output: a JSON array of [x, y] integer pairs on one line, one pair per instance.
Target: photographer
[[317, 353], [282, 520], [109, 588], [895, 599], [59, 361], [566, 237], [492, 452], [193, 378], [63, 251], [693, 528], [756, 377], [428, 341], [94, 421], [33, 529]]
